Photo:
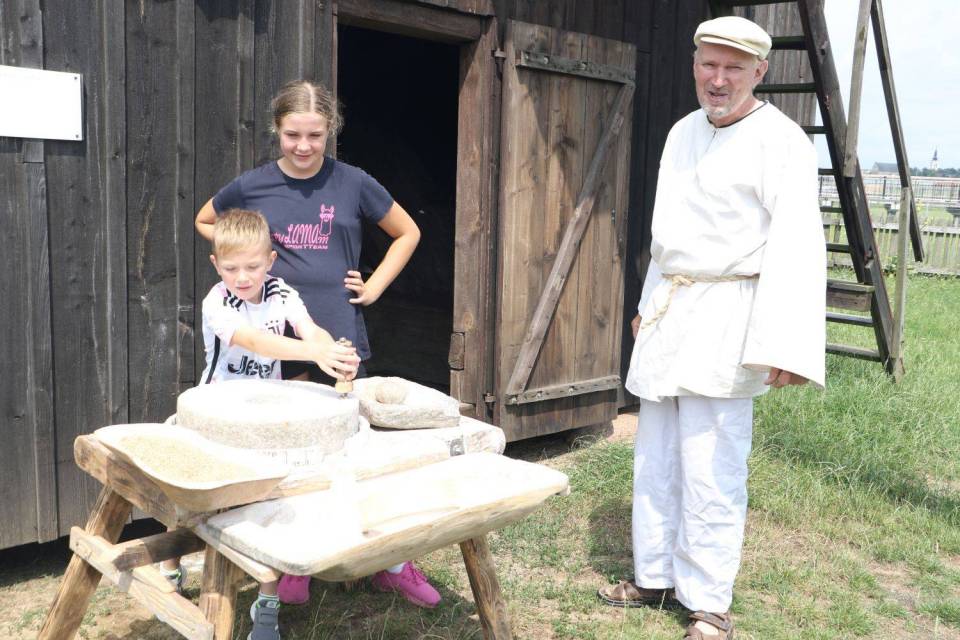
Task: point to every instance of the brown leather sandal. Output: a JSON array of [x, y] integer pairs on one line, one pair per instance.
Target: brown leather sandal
[[722, 621], [627, 594]]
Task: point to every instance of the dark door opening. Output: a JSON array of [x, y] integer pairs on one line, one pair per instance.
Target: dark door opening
[[400, 97]]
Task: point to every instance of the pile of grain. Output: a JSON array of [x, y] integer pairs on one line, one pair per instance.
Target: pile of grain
[[179, 462]]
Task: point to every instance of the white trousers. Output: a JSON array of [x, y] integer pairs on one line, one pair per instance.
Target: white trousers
[[690, 496]]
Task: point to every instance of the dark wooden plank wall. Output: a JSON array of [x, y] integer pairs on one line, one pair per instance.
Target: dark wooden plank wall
[[27, 465], [99, 247]]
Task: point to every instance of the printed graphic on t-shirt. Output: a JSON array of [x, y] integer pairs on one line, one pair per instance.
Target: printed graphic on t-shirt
[[312, 236]]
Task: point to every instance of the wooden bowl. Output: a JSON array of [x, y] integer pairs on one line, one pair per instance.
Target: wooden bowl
[[195, 473]]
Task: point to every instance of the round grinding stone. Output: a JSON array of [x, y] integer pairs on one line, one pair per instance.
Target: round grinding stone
[[270, 414]]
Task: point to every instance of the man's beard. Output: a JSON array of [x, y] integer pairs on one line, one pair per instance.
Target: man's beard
[[717, 112]]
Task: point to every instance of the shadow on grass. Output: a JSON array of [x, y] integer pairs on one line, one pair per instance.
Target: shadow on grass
[[609, 550], [38, 560], [31, 561]]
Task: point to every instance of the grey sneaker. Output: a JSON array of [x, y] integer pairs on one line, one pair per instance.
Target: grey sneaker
[[177, 577], [265, 615]]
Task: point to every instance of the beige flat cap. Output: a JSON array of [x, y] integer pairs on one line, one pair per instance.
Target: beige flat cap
[[735, 32]]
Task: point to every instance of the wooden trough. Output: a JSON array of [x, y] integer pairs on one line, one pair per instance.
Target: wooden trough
[[404, 497]]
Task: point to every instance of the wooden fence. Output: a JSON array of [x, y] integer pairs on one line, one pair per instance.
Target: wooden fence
[[941, 245]]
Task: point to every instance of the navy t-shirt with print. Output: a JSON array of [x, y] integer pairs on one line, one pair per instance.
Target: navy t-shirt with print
[[315, 227]]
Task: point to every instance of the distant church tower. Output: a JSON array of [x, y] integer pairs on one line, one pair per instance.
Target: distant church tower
[[934, 164]]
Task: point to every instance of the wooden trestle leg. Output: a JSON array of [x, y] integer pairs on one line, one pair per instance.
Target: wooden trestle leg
[[486, 589], [218, 592], [80, 580]]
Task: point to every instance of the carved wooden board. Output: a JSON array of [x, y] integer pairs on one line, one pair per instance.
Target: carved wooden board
[[356, 529]]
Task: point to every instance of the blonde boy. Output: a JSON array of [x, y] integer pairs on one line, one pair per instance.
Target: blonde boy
[[244, 315], [243, 321]]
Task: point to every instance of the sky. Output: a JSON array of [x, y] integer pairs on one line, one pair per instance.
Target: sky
[[926, 74]]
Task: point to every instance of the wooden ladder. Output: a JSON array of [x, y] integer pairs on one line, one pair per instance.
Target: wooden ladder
[[869, 291]]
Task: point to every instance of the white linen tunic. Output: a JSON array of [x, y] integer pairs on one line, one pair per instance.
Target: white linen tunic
[[735, 200]]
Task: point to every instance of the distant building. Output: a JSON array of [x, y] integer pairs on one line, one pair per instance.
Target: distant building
[[884, 168], [934, 164]]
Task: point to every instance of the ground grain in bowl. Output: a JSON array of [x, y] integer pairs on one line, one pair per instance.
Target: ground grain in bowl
[[179, 461]]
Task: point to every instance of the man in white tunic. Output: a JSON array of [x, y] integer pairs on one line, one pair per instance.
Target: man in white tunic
[[733, 303]]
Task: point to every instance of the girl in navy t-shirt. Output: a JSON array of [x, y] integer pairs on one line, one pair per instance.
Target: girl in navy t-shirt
[[315, 206]]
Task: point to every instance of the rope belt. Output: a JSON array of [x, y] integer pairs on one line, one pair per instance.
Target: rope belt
[[678, 280]]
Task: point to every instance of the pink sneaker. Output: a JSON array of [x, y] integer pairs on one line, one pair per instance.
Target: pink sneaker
[[411, 583], [294, 589]]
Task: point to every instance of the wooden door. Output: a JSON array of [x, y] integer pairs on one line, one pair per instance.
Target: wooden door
[[565, 152]]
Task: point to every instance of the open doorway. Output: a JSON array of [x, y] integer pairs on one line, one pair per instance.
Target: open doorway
[[400, 98]]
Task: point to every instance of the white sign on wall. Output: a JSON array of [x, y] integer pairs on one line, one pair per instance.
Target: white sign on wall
[[41, 104]]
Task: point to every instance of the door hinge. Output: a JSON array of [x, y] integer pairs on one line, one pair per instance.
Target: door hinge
[[499, 56]]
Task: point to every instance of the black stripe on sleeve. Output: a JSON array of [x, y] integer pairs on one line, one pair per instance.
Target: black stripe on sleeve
[[213, 363]]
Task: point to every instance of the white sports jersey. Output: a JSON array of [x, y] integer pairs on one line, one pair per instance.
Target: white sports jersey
[[224, 313]]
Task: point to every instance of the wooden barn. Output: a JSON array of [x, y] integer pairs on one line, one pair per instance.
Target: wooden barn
[[522, 135]]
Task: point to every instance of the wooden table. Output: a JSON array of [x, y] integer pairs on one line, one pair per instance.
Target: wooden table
[[129, 565]]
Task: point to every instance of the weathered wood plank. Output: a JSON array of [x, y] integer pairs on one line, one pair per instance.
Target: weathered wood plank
[[155, 214], [472, 252], [187, 201], [99, 554], [145, 584], [410, 19], [88, 243], [478, 7], [592, 257], [900, 294], [856, 89], [574, 66], [565, 390], [125, 556], [81, 579], [523, 171], [893, 115], [565, 148], [223, 124], [18, 473], [599, 333], [622, 212], [218, 592], [257, 570], [283, 51], [482, 572]]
